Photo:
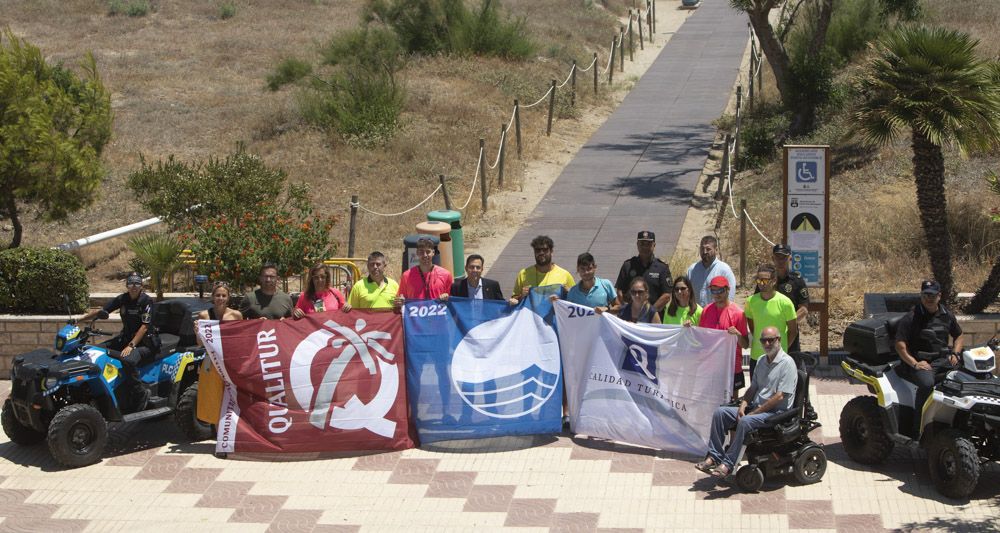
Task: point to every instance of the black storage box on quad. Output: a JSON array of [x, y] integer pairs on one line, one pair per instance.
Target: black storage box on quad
[[871, 341]]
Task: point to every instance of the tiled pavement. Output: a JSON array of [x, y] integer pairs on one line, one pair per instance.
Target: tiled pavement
[[151, 481]]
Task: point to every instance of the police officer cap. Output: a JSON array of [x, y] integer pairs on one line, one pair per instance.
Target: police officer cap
[[781, 249], [133, 278], [930, 286], [646, 235]]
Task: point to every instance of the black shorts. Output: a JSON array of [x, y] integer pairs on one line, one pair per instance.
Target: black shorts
[[738, 381]]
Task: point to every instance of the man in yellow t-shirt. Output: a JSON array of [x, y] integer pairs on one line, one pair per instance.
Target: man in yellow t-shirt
[[769, 308], [543, 272], [374, 291]]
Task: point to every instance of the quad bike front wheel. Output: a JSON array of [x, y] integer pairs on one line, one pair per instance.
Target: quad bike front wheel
[[186, 416], [810, 466], [954, 464], [863, 433], [15, 430], [77, 435]]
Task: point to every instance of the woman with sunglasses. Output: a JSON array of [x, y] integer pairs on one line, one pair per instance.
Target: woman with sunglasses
[[208, 388], [638, 309], [683, 310], [319, 295]]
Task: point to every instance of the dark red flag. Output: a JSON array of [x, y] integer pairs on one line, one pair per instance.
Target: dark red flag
[[330, 381]]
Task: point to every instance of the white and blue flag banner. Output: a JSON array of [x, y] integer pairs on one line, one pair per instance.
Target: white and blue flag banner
[[482, 368], [650, 385]]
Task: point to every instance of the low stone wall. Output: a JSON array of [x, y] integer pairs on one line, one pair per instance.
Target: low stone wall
[[20, 334]]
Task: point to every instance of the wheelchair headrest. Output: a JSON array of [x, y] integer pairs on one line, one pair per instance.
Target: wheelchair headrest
[[801, 389]]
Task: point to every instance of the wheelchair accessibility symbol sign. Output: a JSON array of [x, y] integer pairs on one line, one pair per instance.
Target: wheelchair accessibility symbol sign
[[806, 171]]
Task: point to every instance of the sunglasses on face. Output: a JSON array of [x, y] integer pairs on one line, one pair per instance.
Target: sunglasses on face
[[769, 340], [639, 291], [717, 290], [761, 281], [134, 284], [681, 288]]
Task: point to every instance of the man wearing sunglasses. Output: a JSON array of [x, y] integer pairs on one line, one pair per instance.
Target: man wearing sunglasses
[[725, 315], [771, 391], [922, 343], [769, 308], [137, 342], [649, 267], [791, 284]]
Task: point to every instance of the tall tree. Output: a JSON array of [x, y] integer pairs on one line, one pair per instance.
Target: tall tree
[[990, 288], [931, 82], [53, 127]]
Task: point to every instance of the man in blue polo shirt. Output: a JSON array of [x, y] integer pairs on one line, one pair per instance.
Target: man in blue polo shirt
[[702, 272], [592, 291]]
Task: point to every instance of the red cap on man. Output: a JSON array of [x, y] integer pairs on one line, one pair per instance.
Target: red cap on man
[[719, 281]]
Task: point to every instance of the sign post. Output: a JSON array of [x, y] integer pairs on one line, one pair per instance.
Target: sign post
[[806, 223]]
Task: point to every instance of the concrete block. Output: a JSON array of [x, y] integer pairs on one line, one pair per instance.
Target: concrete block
[[24, 338], [23, 326]]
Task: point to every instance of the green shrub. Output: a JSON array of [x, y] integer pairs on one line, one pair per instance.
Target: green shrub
[[132, 8], [434, 26], [158, 252], [759, 134], [288, 71], [34, 280], [363, 106], [488, 34], [227, 10]]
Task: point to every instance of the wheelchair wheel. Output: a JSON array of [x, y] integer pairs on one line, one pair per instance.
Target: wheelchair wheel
[[810, 466], [749, 478]]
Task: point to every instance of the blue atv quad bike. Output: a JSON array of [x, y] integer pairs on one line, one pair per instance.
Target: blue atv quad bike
[[67, 396]]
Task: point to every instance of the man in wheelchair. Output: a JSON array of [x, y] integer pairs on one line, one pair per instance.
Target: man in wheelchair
[[771, 391]]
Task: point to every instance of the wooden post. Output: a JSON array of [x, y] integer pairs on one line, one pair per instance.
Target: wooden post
[[517, 126], [552, 108], [743, 241], [353, 226], [739, 124], [503, 152], [444, 189], [595, 73], [482, 175], [653, 3], [631, 45], [724, 174], [649, 19], [572, 85], [642, 39], [760, 76], [753, 60], [611, 62], [621, 44]]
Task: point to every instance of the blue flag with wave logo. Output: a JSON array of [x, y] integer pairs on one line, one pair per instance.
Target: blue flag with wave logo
[[483, 368]]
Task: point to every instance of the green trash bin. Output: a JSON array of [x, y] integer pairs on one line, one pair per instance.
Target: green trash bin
[[457, 240]]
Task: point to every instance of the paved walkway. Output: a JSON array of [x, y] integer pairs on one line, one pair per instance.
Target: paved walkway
[[638, 171], [151, 481]]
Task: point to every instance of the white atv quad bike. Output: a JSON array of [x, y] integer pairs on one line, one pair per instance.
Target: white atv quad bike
[[959, 422]]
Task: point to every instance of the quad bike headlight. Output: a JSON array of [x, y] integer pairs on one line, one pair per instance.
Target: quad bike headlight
[[49, 382]]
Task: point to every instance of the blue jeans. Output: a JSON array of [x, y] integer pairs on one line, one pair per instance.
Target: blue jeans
[[723, 420]]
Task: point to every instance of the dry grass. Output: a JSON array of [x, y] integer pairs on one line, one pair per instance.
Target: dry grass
[[978, 18], [187, 83]]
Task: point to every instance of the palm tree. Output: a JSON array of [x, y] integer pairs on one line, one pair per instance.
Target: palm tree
[[159, 253], [932, 82]]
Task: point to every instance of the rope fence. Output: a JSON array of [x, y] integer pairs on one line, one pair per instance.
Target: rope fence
[[616, 51]]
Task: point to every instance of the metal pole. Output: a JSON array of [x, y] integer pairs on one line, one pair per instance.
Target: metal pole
[[444, 189], [517, 126], [572, 85], [353, 226], [482, 174], [649, 19], [743, 241], [552, 108], [503, 152], [653, 3], [753, 59]]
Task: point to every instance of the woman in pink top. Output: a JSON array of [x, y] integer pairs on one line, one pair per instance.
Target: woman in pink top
[[724, 315], [319, 295]]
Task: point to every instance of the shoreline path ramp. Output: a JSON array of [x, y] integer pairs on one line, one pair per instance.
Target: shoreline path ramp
[[639, 169]]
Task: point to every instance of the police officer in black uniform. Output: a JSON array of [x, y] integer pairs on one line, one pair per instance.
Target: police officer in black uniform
[[137, 342], [922, 344], [791, 284], [650, 267]]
